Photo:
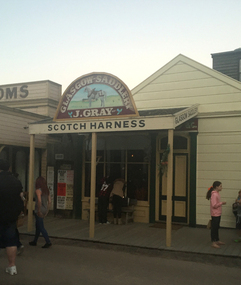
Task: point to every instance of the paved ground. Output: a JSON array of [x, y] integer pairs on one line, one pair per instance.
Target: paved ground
[[77, 262]]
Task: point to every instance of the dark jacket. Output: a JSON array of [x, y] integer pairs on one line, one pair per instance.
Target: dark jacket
[[11, 203]]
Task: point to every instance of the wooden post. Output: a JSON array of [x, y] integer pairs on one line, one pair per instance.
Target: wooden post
[[92, 186], [169, 190], [31, 183]]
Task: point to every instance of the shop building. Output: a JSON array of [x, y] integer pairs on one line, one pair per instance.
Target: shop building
[[205, 149], [21, 104], [193, 107], [184, 82]]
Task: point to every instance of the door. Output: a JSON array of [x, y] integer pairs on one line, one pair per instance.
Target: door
[[180, 190]]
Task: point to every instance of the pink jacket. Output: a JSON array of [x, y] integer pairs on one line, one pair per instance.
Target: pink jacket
[[215, 204]]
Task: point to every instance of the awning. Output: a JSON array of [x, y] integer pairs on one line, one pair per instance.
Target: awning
[[162, 119]]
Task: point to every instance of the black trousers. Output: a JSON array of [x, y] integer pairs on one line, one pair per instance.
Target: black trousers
[[215, 225], [117, 203], [103, 203]]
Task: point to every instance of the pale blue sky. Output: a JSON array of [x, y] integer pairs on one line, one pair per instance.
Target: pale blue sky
[[61, 40]]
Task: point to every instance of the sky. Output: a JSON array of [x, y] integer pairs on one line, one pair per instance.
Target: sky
[[61, 40]]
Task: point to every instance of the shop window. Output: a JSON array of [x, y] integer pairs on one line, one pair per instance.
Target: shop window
[[99, 155], [87, 155], [137, 182], [178, 143], [4, 155], [115, 170], [99, 176], [115, 155], [139, 155], [122, 156]]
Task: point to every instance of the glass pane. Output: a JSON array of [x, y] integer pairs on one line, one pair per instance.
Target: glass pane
[[99, 176], [115, 170], [87, 155], [87, 179], [136, 156], [99, 155], [178, 142], [137, 181], [115, 155], [4, 155]]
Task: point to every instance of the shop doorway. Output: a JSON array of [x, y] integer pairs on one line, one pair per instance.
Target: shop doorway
[[180, 184]]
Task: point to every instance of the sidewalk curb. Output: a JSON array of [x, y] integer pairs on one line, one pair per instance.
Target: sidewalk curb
[[214, 259]]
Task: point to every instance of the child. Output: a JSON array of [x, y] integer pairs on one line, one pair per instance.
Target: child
[[216, 211]]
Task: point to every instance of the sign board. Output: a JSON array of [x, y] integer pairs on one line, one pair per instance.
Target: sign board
[[96, 95], [10, 93], [190, 125], [135, 124], [59, 156], [185, 115], [65, 189]]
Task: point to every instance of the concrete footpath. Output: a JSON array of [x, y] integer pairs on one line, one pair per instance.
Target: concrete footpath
[[138, 237]]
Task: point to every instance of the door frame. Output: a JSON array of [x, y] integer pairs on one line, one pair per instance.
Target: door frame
[[176, 152]]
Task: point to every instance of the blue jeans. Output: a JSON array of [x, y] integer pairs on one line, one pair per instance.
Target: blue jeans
[[40, 229]]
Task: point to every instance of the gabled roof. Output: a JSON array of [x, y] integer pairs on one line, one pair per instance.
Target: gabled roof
[[181, 58]]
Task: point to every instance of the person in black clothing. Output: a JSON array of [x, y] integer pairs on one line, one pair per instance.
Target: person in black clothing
[[20, 246], [11, 206], [103, 200]]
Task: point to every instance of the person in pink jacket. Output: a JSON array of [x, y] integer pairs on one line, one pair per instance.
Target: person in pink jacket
[[216, 211]]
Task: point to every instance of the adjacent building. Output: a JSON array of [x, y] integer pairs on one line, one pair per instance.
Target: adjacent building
[[21, 104]]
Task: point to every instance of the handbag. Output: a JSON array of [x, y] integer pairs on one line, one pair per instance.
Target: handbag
[[209, 224]]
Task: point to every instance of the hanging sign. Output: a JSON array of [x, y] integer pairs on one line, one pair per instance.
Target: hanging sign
[[185, 115], [96, 95]]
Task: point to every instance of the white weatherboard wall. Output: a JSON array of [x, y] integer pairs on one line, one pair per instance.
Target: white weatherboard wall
[[13, 128], [182, 83], [219, 158]]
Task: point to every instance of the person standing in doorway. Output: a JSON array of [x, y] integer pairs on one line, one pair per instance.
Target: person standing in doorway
[[11, 206], [117, 194], [42, 205], [213, 195], [103, 200]]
